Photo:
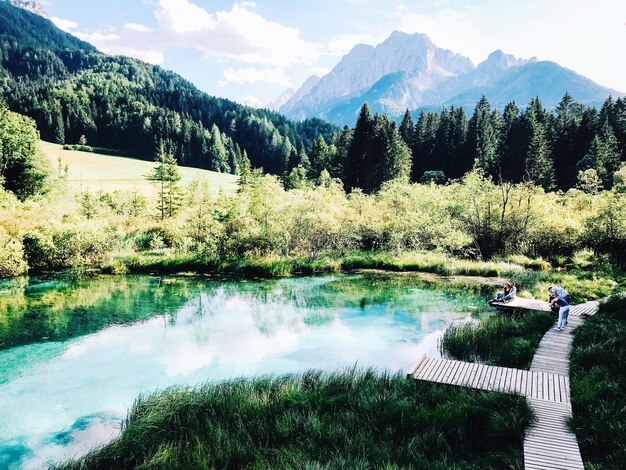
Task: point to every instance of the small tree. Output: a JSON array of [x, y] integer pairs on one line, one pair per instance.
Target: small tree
[[165, 177], [589, 182]]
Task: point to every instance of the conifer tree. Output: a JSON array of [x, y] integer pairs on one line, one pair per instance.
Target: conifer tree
[[358, 153], [217, 152], [245, 170], [538, 168], [603, 155], [407, 129], [165, 176]]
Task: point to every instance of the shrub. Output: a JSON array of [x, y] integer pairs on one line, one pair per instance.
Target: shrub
[[12, 261]]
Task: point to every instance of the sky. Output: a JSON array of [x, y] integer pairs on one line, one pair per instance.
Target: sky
[[251, 51]]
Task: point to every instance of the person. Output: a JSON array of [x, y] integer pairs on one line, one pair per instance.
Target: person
[[508, 293], [560, 297]]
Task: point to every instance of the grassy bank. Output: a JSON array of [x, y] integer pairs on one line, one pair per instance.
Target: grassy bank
[[352, 419], [503, 340], [598, 384], [167, 261]]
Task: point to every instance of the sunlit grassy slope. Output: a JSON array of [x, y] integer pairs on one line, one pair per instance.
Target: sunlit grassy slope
[[95, 172]]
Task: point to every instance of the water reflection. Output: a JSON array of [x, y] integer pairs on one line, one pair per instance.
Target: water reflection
[[68, 390]]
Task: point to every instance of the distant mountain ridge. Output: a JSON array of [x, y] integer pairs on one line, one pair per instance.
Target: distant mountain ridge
[[408, 71]]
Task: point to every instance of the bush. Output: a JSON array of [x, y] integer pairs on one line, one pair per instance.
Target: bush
[[157, 237], [38, 250], [12, 261]]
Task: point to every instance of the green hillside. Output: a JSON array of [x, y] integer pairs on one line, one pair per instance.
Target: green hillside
[[116, 102], [96, 172]]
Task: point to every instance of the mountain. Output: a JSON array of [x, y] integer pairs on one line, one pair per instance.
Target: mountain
[[407, 71], [30, 5], [18, 23], [545, 79], [304, 90], [424, 65], [73, 92], [281, 99]]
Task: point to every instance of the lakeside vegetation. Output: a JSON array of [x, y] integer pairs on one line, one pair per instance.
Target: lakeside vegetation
[[350, 419], [501, 340], [598, 383]]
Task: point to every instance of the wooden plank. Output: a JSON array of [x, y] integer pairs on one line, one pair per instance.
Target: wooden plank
[[437, 370], [451, 371], [524, 383], [417, 365], [425, 372], [458, 380], [486, 385]]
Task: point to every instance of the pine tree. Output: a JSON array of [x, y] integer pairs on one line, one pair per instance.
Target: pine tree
[[539, 168], [245, 170], [425, 143], [603, 155], [319, 157], [407, 129], [217, 152], [566, 128], [166, 176], [389, 158], [358, 153], [484, 138]]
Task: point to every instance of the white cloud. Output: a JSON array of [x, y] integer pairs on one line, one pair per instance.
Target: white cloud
[[137, 27], [341, 44], [447, 28], [250, 100], [96, 38], [64, 24], [243, 76], [238, 34]]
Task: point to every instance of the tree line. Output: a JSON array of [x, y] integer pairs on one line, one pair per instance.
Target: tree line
[[83, 96], [572, 145]]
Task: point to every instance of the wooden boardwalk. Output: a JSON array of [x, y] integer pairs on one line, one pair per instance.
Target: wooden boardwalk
[[549, 444], [587, 308], [536, 385]]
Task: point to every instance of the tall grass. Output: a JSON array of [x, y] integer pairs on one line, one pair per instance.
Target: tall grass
[[503, 340], [598, 384], [355, 419]]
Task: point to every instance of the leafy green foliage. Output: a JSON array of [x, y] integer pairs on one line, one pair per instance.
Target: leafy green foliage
[[598, 382], [503, 340], [23, 169], [351, 419]]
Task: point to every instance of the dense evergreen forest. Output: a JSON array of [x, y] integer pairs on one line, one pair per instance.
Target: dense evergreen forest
[[76, 95], [572, 145]]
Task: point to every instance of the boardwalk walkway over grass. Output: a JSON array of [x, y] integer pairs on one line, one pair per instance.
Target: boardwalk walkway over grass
[[548, 444]]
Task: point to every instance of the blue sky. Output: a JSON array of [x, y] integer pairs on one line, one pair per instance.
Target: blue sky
[[252, 51]]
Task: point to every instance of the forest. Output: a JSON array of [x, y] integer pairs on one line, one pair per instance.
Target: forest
[[574, 145], [77, 95]]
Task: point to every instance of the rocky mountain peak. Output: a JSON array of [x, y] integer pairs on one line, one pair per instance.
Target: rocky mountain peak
[[34, 6]]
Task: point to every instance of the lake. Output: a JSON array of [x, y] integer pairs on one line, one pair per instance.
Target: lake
[[76, 352]]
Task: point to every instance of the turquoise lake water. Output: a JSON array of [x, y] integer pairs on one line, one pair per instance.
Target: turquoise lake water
[[75, 353]]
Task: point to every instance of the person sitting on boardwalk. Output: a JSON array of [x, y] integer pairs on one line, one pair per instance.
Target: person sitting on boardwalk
[[560, 297], [507, 294]]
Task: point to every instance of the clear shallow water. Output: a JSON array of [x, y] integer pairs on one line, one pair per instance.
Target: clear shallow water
[[74, 354]]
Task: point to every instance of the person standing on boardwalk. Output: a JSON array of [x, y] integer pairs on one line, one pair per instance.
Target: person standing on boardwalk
[[560, 297]]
